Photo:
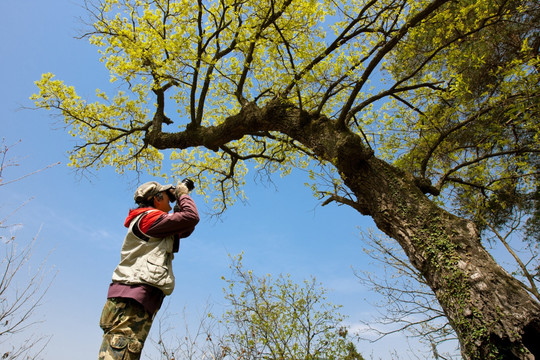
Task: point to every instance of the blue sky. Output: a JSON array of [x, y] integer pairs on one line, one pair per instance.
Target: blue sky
[[80, 220]]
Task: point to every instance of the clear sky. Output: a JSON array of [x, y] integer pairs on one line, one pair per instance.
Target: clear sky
[[281, 229]]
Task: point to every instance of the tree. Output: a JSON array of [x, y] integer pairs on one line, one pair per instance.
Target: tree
[[419, 114], [278, 319], [21, 293]]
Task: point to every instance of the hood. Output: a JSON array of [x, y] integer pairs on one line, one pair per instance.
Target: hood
[[133, 213]]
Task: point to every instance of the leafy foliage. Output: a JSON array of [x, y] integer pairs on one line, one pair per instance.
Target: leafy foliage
[[456, 90], [477, 135]]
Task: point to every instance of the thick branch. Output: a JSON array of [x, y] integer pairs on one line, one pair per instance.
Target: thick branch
[[317, 133]]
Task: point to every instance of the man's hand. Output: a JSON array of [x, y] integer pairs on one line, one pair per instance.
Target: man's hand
[[180, 189]]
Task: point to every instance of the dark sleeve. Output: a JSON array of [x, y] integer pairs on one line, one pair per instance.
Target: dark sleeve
[[181, 222]]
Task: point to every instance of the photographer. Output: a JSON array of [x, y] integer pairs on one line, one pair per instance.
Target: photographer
[[144, 275]]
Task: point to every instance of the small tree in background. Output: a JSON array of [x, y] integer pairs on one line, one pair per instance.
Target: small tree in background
[[279, 319], [21, 292]]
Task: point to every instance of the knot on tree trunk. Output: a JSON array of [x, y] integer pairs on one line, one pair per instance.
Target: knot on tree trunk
[[426, 187], [352, 153]]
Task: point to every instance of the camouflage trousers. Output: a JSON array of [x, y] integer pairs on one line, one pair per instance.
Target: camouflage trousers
[[125, 326]]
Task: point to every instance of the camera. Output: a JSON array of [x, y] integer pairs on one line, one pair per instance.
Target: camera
[[189, 184]]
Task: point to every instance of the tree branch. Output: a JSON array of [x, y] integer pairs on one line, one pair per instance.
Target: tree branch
[[345, 114]]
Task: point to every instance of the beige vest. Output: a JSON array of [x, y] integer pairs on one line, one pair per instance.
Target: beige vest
[[146, 261]]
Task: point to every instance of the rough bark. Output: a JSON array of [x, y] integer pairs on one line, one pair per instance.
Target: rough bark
[[493, 315]]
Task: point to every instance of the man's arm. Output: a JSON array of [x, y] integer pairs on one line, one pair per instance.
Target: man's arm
[[181, 222]]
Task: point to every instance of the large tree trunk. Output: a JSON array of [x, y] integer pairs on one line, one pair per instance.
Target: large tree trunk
[[492, 314], [494, 317]]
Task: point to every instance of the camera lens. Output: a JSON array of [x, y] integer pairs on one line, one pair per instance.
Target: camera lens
[[189, 183]]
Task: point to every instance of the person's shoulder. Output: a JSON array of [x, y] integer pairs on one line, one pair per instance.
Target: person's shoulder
[[133, 213], [152, 214]]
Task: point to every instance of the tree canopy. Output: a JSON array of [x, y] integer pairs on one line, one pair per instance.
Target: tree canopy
[[383, 102], [446, 90]]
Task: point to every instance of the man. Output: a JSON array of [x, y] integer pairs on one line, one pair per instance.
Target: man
[[144, 276]]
